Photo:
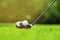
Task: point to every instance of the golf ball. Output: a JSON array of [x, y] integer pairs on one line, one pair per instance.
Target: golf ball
[[25, 22]]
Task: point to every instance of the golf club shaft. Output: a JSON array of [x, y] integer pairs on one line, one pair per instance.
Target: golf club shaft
[[43, 12]]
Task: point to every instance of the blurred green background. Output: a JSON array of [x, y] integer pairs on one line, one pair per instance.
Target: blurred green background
[[17, 10]]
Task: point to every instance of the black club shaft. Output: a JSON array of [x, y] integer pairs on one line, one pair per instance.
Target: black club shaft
[[43, 12]]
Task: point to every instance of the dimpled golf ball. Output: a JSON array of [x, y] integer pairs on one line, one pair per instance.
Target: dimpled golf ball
[[25, 22]]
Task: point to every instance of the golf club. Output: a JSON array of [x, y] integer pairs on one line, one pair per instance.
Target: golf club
[[25, 24]]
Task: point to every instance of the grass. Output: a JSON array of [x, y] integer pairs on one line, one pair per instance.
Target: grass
[[8, 31]]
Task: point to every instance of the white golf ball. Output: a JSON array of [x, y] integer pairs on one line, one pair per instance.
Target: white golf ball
[[25, 22]]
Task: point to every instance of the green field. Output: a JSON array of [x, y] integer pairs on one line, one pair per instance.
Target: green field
[[8, 31]]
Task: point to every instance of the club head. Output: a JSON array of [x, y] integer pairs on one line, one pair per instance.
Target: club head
[[23, 24]]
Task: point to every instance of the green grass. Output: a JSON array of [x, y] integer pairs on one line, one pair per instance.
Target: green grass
[[8, 31]]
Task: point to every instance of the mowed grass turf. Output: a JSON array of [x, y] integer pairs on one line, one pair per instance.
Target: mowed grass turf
[[8, 31]]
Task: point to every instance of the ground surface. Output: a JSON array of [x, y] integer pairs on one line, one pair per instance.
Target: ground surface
[[8, 31]]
